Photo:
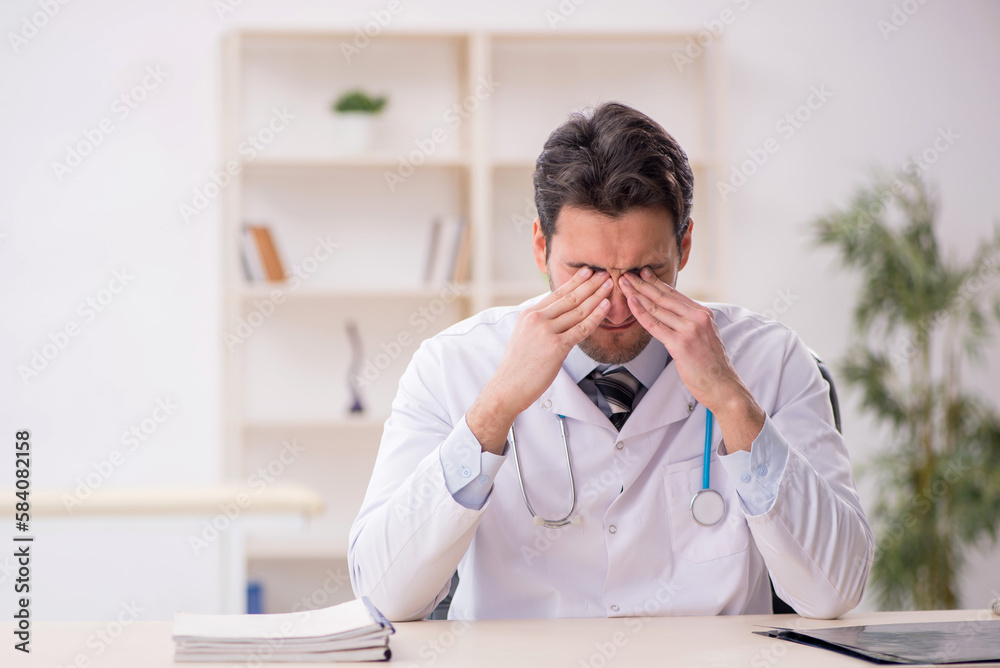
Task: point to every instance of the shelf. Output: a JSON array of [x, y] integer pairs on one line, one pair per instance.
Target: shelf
[[294, 548], [515, 288], [298, 35], [260, 291], [292, 424], [350, 162], [172, 500]]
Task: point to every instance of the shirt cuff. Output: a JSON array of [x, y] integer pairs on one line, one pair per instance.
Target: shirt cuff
[[468, 470], [757, 473]]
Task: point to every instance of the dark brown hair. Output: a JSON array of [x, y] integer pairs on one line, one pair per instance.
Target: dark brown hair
[[612, 159]]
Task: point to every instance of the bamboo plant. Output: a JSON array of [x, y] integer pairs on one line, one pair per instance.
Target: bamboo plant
[[919, 321]]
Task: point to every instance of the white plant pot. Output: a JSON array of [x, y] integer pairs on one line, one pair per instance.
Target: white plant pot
[[355, 132]]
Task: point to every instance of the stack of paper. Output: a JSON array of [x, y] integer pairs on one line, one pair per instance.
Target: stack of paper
[[353, 631]]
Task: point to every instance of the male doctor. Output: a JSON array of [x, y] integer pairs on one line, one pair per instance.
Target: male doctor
[[628, 367]]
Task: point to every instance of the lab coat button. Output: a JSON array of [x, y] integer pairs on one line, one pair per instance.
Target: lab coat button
[[466, 472], [612, 529], [484, 478], [614, 608], [619, 445], [546, 404], [690, 407], [762, 471], [745, 477]]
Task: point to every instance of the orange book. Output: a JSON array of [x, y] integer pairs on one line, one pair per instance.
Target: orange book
[[274, 270]]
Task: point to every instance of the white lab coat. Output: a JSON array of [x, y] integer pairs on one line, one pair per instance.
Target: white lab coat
[[638, 550]]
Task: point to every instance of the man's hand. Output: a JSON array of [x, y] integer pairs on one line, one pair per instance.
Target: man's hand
[[687, 329], [541, 340]]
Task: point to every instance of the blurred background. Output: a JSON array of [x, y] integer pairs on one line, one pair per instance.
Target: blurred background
[[200, 215]]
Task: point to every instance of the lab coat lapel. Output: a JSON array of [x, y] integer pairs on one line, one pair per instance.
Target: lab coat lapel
[[667, 401], [569, 400]]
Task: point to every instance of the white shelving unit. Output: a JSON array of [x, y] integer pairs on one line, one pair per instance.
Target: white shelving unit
[[496, 97]]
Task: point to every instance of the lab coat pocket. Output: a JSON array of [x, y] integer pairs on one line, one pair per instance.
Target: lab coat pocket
[[689, 539]]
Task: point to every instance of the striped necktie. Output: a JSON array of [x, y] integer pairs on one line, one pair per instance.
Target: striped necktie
[[619, 388]]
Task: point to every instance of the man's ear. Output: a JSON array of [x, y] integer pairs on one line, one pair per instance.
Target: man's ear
[[686, 245], [538, 243]]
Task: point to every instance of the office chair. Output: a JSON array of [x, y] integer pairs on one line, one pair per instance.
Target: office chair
[[778, 606]]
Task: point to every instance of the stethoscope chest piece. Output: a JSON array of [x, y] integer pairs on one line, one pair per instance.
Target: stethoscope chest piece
[[707, 507]]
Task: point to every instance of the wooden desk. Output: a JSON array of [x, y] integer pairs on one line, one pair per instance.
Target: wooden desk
[[549, 643]]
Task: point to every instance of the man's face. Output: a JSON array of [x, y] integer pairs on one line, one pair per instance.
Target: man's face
[[639, 238]]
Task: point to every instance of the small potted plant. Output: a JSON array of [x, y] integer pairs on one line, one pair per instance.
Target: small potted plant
[[356, 112]]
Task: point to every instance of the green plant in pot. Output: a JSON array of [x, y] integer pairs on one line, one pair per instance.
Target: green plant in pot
[[356, 112], [919, 320]]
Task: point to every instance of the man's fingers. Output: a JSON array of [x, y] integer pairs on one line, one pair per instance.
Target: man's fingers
[[573, 298], [579, 313], [641, 308], [586, 327], [647, 275], [579, 277], [659, 294]]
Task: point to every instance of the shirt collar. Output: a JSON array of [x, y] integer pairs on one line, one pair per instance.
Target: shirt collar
[[646, 366]]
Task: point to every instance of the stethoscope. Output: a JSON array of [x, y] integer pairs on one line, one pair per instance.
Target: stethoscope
[[707, 505]]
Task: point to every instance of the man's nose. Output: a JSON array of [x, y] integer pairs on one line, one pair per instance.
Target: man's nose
[[619, 313]]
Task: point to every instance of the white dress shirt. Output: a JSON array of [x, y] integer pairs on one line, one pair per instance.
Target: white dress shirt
[[437, 502]]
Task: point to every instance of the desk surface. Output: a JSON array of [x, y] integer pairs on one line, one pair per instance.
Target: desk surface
[[573, 643]]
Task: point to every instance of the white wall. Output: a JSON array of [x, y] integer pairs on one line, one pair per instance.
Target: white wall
[[159, 338]]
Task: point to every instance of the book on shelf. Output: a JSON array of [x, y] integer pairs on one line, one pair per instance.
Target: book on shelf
[[260, 257], [352, 631], [448, 252]]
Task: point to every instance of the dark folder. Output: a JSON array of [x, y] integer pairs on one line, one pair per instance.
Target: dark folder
[[922, 642]]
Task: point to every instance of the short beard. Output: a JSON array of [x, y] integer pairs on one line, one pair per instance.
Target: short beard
[[617, 355]]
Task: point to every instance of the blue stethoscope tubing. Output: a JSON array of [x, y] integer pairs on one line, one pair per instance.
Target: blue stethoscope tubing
[[706, 466], [707, 505]]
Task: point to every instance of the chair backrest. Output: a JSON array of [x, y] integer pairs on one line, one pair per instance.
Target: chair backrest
[[778, 606]]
